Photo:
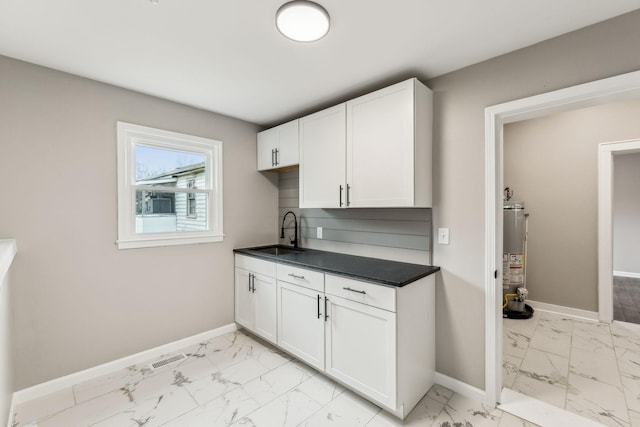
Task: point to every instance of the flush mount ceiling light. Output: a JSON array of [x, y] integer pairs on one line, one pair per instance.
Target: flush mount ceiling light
[[302, 21]]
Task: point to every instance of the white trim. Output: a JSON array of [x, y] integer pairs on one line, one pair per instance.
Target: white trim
[[8, 250], [626, 274], [539, 412], [12, 408], [150, 243], [565, 311], [460, 387], [606, 151], [625, 86], [605, 231], [633, 327], [61, 383], [493, 241]]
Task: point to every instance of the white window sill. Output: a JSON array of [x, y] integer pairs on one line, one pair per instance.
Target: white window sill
[[172, 241]]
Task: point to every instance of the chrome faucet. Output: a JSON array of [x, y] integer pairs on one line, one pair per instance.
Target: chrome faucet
[[295, 225]]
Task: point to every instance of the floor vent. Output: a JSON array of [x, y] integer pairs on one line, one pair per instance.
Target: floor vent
[[168, 360]]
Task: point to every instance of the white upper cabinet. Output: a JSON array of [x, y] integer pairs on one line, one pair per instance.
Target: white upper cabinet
[[322, 159], [278, 147], [372, 151], [389, 147]]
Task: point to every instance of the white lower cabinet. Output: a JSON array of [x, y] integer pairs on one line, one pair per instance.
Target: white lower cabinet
[[255, 297], [361, 348], [244, 299], [377, 340], [301, 323]]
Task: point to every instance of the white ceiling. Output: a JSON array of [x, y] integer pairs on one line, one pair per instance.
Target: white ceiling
[[227, 56]]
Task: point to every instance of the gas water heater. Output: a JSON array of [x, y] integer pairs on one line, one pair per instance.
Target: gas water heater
[[514, 259]]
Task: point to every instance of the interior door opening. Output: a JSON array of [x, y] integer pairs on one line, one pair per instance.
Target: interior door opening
[[607, 156], [626, 86]]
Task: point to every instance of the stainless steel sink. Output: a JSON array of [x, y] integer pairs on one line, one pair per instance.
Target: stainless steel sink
[[277, 250]]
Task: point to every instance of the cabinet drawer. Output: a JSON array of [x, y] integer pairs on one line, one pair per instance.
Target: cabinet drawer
[[366, 293], [256, 265], [302, 277]]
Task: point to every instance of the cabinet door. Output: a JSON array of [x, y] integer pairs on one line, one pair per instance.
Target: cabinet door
[[361, 348], [266, 146], [380, 147], [243, 299], [264, 304], [301, 323], [322, 158], [288, 144]]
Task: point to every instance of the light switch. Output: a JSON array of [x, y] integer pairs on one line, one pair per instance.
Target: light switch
[[443, 236], [319, 232]]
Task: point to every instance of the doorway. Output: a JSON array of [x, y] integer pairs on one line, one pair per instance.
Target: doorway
[[626, 86], [610, 154]]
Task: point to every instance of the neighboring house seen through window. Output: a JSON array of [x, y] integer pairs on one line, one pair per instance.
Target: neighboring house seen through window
[[169, 188]]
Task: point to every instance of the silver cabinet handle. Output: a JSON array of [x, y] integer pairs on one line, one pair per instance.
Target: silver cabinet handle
[[273, 153], [277, 160], [296, 276], [354, 290], [348, 198], [252, 282]]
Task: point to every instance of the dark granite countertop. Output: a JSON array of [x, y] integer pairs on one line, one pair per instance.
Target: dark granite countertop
[[383, 272]]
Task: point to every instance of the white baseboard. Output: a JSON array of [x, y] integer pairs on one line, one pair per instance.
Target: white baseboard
[[633, 327], [61, 383], [539, 412], [460, 387], [626, 274], [566, 311]]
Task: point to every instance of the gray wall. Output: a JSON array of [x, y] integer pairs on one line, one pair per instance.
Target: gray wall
[[460, 99], [396, 234], [626, 213], [551, 164], [79, 301], [6, 347]]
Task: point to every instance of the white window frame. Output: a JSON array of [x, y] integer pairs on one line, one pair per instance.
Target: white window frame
[[130, 136]]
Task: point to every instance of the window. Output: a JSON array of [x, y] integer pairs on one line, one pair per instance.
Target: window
[[169, 188], [191, 200]]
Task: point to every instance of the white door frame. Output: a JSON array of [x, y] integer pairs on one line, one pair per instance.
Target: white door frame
[[625, 86], [606, 151]]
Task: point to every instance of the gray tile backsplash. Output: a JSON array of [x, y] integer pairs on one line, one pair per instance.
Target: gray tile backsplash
[[404, 228]]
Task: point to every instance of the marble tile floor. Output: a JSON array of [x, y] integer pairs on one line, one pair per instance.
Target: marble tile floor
[[626, 299], [238, 380], [585, 367]]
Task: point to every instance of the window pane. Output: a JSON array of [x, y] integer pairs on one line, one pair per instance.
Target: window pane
[[167, 212], [157, 166]]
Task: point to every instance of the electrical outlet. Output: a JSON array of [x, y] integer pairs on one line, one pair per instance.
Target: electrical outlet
[[443, 236], [319, 232]]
